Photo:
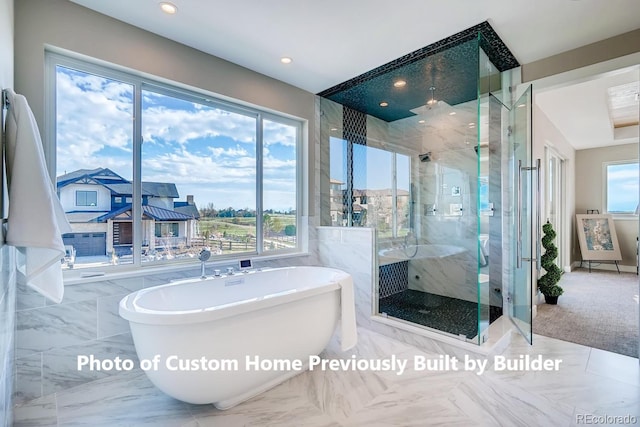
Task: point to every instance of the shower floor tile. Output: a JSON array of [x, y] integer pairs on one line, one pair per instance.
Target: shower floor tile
[[446, 314]]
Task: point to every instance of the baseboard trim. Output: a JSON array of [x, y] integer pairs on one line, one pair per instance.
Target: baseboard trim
[[607, 266]]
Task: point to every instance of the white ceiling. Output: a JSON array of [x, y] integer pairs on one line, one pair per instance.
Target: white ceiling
[[332, 41], [581, 111]]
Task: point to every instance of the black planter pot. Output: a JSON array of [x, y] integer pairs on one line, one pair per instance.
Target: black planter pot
[[550, 299]]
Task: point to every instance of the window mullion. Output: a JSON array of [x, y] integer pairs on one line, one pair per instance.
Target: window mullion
[[136, 203], [259, 185], [394, 196]]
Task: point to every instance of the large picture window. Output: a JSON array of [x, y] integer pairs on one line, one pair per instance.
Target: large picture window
[[183, 170], [621, 187]]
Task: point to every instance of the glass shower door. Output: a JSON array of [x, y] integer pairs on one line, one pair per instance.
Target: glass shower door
[[526, 221]]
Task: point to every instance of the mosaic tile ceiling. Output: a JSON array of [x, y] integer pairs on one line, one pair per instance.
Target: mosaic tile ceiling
[[450, 66]]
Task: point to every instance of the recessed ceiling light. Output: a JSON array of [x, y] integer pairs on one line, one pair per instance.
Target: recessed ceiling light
[[169, 8], [420, 121], [334, 129], [400, 83], [384, 104], [453, 113], [286, 60], [521, 105], [471, 124]]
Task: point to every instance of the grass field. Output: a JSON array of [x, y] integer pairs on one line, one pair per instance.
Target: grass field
[[242, 228]]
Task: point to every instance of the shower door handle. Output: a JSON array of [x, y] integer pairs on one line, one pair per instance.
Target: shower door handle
[[519, 218], [519, 257], [538, 223]]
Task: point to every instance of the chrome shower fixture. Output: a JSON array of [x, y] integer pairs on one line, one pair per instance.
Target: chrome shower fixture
[[426, 157]]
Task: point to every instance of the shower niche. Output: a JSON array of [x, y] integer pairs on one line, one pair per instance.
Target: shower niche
[[422, 149]]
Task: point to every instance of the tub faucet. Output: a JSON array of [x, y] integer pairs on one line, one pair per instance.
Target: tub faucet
[[203, 256]]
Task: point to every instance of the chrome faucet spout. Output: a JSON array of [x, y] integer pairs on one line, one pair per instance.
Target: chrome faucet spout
[[202, 272]]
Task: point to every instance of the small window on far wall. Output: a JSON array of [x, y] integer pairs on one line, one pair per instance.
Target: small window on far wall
[[167, 229], [621, 196], [86, 198]]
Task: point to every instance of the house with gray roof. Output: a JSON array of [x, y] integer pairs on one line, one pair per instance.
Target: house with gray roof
[[98, 205]]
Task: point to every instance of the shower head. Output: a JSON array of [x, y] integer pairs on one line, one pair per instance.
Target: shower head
[[426, 157]]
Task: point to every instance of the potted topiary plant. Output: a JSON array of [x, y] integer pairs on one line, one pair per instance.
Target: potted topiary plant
[[548, 283]]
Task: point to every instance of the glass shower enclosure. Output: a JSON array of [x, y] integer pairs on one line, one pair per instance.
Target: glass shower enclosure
[[423, 152]]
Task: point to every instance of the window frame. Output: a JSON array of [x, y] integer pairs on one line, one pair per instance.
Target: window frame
[[140, 82], [87, 192], [605, 186], [162, 224]]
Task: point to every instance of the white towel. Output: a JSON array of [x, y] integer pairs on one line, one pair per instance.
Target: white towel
[[348, 314], [36, 218]]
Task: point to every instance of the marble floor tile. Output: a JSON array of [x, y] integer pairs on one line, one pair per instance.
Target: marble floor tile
[[394, 410], [615, 366], [255, 413], [37, 413], [127, 399], [497, 403], [259, 410], [60, 366], [591, 383]]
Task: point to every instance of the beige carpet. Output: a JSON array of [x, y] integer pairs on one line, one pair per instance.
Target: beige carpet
[[598, 309]]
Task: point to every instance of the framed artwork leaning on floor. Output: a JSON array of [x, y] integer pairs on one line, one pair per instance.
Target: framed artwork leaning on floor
[[597, 237]]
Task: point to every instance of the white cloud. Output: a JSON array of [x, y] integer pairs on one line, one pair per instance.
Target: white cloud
[[619, 173], [278, 133], [88, 122], [182, 126], [186, 167], [229, 152]]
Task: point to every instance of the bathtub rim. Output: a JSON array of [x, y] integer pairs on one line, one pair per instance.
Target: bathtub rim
[[128, 311]]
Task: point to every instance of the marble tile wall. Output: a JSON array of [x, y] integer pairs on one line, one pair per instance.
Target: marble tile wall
[[7, 331], [446, 183], [50, 337], [352, 249]]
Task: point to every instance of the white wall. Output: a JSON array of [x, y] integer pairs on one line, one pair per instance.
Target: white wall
[[546, 134], [589, 193]]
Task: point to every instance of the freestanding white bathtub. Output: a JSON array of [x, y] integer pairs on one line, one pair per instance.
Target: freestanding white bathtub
[[205, 324]]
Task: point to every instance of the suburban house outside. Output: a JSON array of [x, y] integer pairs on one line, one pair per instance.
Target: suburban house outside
[[97, 203], [369, 207]]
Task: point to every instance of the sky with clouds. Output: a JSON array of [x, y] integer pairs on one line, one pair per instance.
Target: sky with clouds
[[207, 152], [622, 187]]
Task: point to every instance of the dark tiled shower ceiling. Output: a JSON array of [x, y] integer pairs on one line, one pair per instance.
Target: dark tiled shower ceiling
[[450, 65]]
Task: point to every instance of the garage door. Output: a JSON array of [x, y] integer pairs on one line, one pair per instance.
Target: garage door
[[87, 244]]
